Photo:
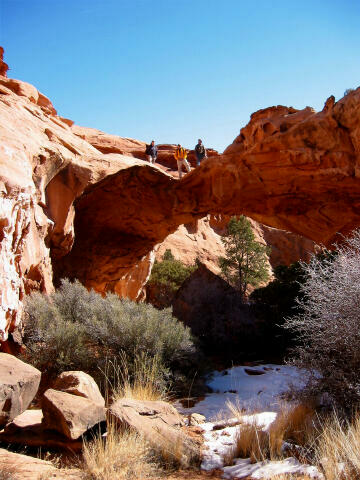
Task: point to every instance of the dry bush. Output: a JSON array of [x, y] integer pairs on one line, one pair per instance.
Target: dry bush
[[338, 449], [118, 456], [328, 329]]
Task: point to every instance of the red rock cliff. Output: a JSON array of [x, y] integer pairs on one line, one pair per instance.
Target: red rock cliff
[[67, 207]]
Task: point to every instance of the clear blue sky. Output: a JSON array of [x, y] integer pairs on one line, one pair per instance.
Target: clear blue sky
[[176, 70]]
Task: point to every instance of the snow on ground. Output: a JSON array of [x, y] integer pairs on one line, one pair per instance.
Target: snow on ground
[[219, 438], [254, 389], [267, 469], [252, 392]]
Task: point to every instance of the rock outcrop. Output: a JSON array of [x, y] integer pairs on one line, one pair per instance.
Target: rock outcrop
[[201, 240], [19, 383], [67, 208]]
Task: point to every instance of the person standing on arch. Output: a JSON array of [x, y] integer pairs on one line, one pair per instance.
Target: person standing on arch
[[151, 152], [200, 152], [181, 158]]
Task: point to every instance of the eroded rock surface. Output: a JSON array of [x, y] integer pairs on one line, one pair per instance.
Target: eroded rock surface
[[159, 423], [81, 384], [19, 383], [70, 415], [69, 208]]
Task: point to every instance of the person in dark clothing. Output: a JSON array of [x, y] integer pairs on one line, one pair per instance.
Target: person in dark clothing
[[151, 152], [200, 152]]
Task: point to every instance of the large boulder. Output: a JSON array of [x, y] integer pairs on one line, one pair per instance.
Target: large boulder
[[70, 415], [15, 466], [159, 423], [19, 383], [28, 430], [80, 384]]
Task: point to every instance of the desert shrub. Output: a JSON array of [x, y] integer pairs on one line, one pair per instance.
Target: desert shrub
[[328, 326], [349, 90], [166, 278], [77, 329]]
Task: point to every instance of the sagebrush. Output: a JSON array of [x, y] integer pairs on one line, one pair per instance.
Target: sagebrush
[[77, 329]]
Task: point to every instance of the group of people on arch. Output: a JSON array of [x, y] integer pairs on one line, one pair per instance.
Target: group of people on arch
[[180, 155]]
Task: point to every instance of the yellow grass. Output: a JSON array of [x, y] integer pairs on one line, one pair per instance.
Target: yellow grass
[[339, 444], [140, 381], [118, 456], [294, 423]]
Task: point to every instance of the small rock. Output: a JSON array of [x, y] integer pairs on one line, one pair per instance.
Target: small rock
[[196, 419]]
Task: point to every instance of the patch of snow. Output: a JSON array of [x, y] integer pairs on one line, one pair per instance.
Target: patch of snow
[[219, 437], [253, 392], [267, 469]]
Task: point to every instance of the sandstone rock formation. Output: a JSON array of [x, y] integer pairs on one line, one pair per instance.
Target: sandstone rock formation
[[19, 383], [81, 384], [28, 430], [70, 415], [68, 208], [201, 239], [159, 423]]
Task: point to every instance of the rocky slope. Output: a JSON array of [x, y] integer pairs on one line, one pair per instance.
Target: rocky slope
[[70, 209]]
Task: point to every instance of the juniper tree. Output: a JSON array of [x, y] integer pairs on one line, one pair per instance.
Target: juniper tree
[[245, 262]]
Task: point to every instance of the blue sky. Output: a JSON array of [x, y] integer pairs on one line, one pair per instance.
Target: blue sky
[[179, 70]]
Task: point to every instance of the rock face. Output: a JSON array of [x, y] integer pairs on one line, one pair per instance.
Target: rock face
[[15, 466], [80, 384], [28, 430], [158, 422], [70, 415], [201, 240], [19, 383], [68, 209]]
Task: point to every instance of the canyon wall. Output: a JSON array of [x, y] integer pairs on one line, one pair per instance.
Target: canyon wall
[[69, 209]]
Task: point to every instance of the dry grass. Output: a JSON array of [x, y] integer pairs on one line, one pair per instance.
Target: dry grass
[[297, 424], [294, 423], [140, 381], [118, 456], [338, 449]]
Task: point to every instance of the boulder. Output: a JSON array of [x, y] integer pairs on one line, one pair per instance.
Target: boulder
[[28, 430], [80, 384], [70, 415], [19, 383], [14, 466], [159, 423]]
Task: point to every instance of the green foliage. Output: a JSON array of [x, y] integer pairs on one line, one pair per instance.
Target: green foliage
[[74, 329], [245, 262], [166, 278]]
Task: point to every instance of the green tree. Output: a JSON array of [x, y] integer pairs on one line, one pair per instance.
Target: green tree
[[166, 278], [245, 262]]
